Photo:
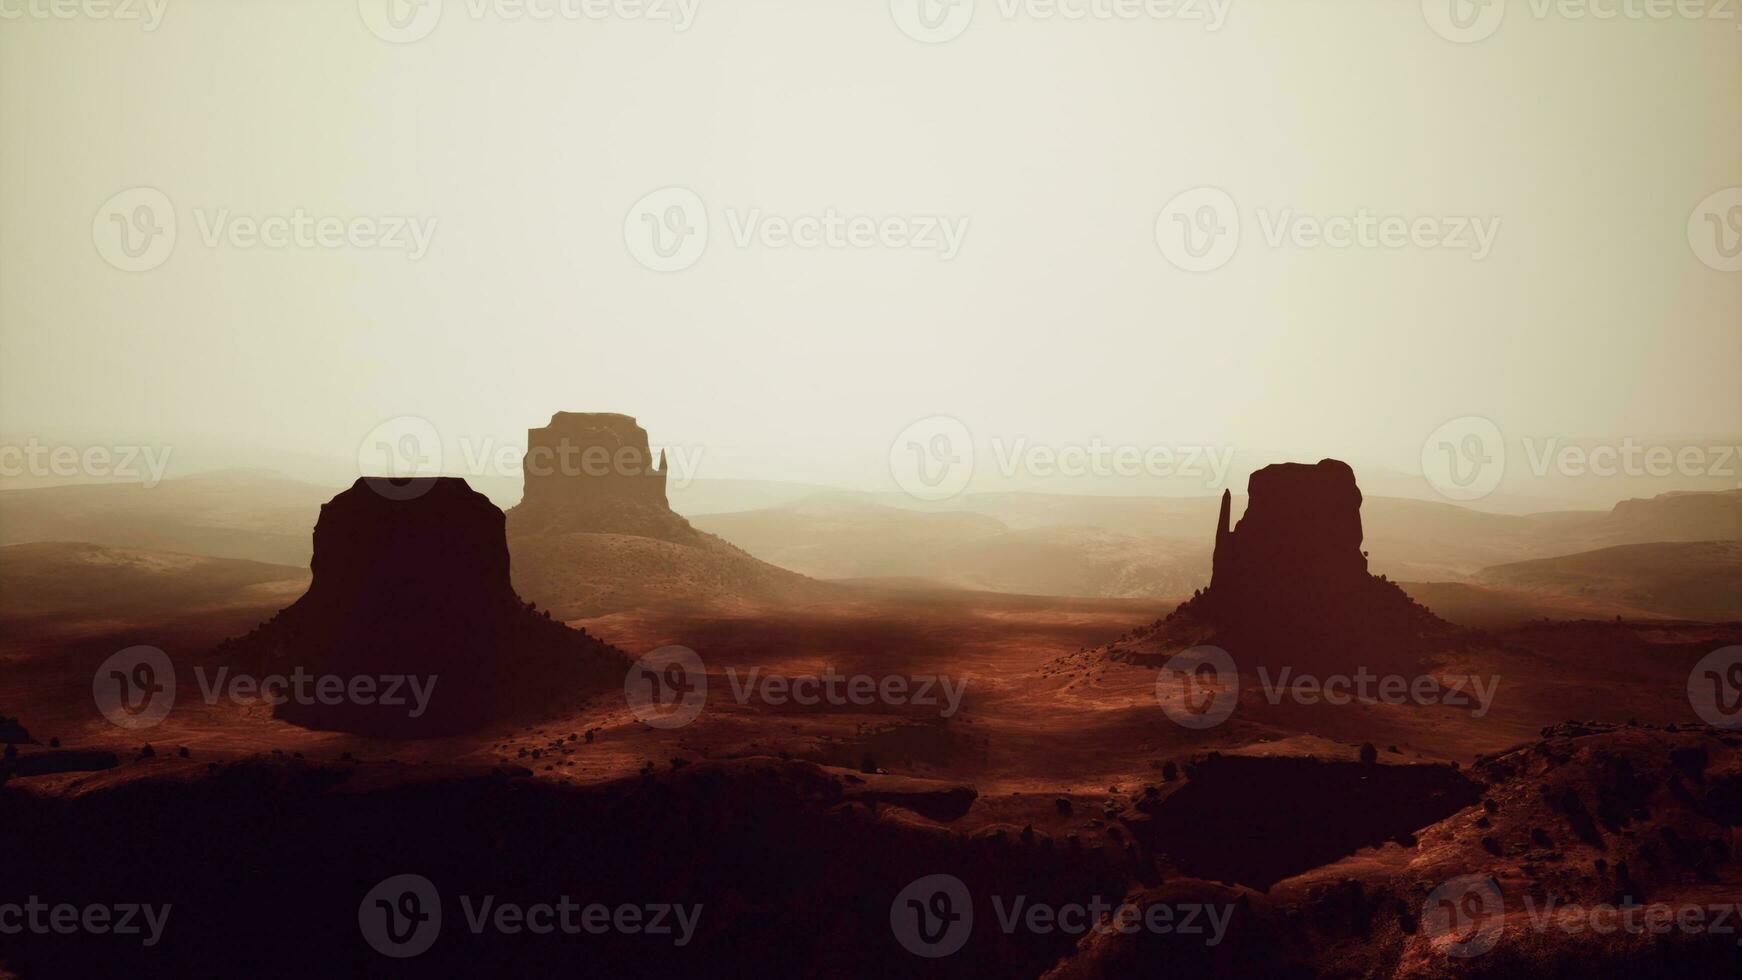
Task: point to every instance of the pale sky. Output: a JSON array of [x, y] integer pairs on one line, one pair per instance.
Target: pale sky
[[521, 147]]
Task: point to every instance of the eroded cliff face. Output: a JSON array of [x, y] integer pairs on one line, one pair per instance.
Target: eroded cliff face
[[1295, 557], [594, 472], [1290, 584], [412, 592], [594, 533]]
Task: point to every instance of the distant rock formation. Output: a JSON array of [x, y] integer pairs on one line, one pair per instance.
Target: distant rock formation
[[1290, 584], [595, 472], [1296, 550], [594, 532], [416, 585]]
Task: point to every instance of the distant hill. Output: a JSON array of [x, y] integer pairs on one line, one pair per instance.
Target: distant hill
[[1038, 543], [247, 514], [1693, 579], [86, 581]]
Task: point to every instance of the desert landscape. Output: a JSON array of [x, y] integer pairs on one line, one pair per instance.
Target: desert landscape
[[1011, 489], [1033, 742]]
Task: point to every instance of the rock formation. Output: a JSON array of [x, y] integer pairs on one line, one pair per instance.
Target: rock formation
[[595, 472], [416, 586], [594, 532], [1296, 551], [1290, 585]]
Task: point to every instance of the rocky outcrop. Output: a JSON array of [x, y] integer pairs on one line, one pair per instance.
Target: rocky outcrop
[[594, 533], [1302, 526], [595, 472], [413, 590], [1290, 584]]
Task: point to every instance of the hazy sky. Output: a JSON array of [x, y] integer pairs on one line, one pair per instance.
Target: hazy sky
[[521, 147]]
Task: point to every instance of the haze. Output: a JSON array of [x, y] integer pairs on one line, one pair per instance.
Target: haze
[[520, 147]]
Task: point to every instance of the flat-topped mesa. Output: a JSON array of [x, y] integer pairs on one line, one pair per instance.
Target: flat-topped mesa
[[1290, 583], [1301, 533], [412, 593], [434, 544], [592, 472], [589, 457]]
